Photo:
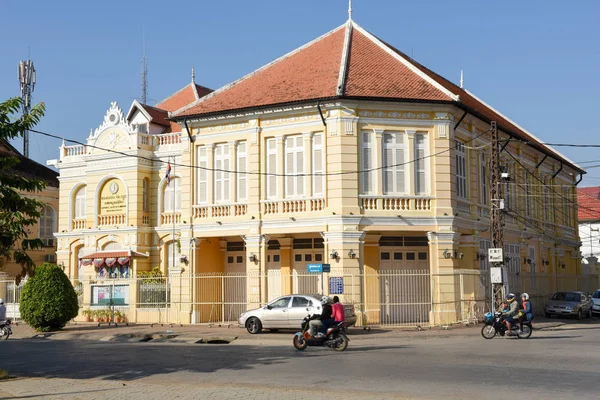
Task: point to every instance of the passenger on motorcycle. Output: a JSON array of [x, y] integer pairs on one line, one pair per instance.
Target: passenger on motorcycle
[[511, 313], [2, 311], [317, 324], [526, 311]]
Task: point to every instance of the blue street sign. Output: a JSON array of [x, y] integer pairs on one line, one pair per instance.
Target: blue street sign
[[336, 285], [315, 268]]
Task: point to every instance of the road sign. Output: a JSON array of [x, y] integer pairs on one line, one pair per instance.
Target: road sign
[[495, 255], [317, 268], [336, 285], [326, 267], [496, 274]]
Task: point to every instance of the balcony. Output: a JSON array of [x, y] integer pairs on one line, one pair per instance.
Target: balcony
[[395, 204], [111, 220], [270, 207], [170, 218], [220, 211], [78, 224]]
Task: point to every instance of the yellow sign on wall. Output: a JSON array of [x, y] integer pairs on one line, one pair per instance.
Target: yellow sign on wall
[[113, 199]]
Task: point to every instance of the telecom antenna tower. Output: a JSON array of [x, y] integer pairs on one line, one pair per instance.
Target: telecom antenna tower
[[26, 73], [144, 72]]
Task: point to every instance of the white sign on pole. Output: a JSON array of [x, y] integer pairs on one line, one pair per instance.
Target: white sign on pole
[[495, 255], [496, 274]]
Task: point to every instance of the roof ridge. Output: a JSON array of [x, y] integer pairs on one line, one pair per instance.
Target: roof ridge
[[408, 63], [231, 84], [341, 87], [176, 93], [524, 130]]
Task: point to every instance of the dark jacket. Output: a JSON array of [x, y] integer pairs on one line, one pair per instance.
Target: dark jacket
[[326, 313]]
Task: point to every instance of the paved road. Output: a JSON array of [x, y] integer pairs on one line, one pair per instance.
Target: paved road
[[559, 364]]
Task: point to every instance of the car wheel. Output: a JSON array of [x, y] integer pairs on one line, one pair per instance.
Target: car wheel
[[589, 314], [253, 325]]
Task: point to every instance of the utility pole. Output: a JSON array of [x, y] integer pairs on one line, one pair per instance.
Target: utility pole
[[26, 74], [496, 221]]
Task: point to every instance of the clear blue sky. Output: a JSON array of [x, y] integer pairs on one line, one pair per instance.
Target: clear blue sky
[[536, 61]]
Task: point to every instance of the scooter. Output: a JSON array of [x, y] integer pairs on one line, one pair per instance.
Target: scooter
[[5, 330], [335, 337], [494, 325]]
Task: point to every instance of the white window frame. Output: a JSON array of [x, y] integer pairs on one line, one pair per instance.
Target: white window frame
[[172, 262], [47, 225], [461, 170], [174, 185], [528, 194], [318, 165], [396, 168], [421, 164], [366, 163], [294, 166], [202, 175], [79, 211], [271, 167], [242, 169], [221, 174]]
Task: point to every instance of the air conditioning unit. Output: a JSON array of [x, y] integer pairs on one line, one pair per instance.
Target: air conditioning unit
[[50, 258], [48, 242]]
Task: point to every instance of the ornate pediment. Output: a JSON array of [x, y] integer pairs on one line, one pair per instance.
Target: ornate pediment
[[114, 117]]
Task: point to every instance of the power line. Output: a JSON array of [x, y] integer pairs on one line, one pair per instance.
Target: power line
[[158, 160]]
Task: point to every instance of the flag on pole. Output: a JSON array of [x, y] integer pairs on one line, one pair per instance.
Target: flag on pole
[[168, 174]]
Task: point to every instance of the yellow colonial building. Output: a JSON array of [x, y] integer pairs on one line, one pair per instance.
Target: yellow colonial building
[[343, 152]]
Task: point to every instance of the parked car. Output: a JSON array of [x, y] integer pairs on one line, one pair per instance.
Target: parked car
[[572, 304], [287, 312], [596, 302]]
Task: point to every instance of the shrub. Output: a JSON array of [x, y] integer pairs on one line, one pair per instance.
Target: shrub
[[48, 300]]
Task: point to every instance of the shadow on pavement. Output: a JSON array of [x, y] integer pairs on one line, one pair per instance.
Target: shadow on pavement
[[56, 395], [552, 337]]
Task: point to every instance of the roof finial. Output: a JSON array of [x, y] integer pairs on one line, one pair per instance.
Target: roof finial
[[350, 9], [462, 80], [193, 75]]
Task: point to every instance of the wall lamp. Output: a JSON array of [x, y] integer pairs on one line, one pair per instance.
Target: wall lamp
[[351, 254], [253, 258], [480, 256], [183, 259], [527, 260], [447, 254], [333, 255], [562, 265]]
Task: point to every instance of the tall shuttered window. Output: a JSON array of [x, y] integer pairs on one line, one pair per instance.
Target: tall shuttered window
[[172, 196], [294, 166], [420, 164], [483, 180], [271, 168], [221, 173], [202, 162], [242, 169], [80, 203], [47, 225], [394, 178], [366, 163], [318, 165], [461, 170]]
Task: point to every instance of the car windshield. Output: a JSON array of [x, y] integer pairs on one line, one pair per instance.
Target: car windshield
[[596, 295], [566, 296], [280, 303]]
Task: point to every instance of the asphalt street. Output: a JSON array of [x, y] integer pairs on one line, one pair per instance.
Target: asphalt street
[[557, 364]]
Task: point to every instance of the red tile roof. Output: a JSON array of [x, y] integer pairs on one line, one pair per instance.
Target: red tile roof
[[588, 200], [365, 68], [158, 116], [27, 167], [113, 254], [183, 97]]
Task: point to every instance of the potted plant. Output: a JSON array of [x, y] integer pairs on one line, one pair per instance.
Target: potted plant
[[96, 315], [87, 314], [118, 316]]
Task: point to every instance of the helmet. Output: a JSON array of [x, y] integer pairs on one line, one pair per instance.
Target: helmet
[[1, 301], [525, 296], [510, 297], [325, 300]]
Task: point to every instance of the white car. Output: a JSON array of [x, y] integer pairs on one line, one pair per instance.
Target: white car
[[287, 312], [596, 300]]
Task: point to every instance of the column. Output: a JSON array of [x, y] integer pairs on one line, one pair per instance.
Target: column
[[256, 265], [232, 167], [308, 179], [285, 248], [444, 292]]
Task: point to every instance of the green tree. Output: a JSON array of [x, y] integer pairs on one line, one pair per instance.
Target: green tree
[[48, 300], [17, 211]]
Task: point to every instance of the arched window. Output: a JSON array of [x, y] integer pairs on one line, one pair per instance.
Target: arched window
[[172, 196], [48, 226], [112, 246], [79, 209], [172, 255]]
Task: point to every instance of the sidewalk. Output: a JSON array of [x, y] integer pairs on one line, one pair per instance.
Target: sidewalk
[[168, 333]]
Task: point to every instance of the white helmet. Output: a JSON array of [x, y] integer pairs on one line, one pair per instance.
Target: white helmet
[[525, 296], [325, 300], [1, 301]]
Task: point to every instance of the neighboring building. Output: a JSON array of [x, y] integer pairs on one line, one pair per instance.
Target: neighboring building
[[47, 224], [344, 151], [588, 199]]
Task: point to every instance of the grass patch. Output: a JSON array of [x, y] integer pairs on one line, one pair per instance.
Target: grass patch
[[4, 375]]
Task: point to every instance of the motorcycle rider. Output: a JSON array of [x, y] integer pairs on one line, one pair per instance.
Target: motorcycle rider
[[315, 325], [512, 312], [2, 311], [526, 311]]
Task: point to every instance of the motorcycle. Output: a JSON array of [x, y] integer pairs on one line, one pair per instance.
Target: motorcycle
[[335, 337], [5, 330], [494, 325]]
